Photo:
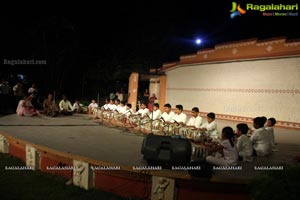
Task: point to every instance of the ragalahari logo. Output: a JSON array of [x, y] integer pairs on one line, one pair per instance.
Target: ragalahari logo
[[236, 10]]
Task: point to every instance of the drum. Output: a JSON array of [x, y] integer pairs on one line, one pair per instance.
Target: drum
[[157, 126], [105, 114], [145, 122], [198, 136], [134, 119]]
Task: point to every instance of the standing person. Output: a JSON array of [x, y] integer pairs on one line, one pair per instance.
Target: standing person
[[18, 92], [112, 96], [151, 102], [65, 106], [120, 95], [4, 96], [33, 91], [146, 96]]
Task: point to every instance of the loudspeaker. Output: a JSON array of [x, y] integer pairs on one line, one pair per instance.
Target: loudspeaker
[[166, 150]]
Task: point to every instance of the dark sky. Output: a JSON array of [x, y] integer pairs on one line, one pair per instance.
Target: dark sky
[[134, 36]]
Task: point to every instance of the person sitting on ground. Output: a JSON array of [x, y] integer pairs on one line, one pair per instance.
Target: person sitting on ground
[[156, 113], [93, 105], [179, 117], [143, 111], [65, 106], [50, 108], [195, 121], [128, 111], [122, 108], [269, 127], [211, 126], [168, 114], [105, 106], [77, 107], [25, 107], [227, 148], [260, 138], [112, 106], [244, 144]]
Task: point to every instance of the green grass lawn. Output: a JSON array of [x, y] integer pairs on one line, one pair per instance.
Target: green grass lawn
[[30, 184]]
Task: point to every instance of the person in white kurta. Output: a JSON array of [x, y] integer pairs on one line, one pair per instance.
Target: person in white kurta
[[260, 138], [143, 111], [228, 149], [244, 144], [179, 117], [156, 113], [168, 114], [93, 105], [269, 127], [195, 121], [211, 126]]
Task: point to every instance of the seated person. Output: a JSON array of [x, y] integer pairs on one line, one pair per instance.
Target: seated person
[[77, 107], [105, 106], [25, 107], [117, 103], [65, 106], [195, 121], [156, 113], [227, 147], [50, 108], [211, 126], [112, 106], [128, 111], [244, 144], [260, 138], [179, 117], [122, 108], [269, 127], [93, 105], [168, 114], [143, 111]]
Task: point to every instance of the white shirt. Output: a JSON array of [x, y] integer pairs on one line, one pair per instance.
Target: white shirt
[[112, 106], [65, 105], [211, 129], [271, 135], [179, 118], [31, 90], [122, 109], [168, 117], [195, 121], [261, 142], [93, 105], [143, 112], [244, 147], [105, 106], [230, 153], [128, 112], [156, 114]]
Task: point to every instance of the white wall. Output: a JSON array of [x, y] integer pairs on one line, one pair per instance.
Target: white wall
[[231, 88]]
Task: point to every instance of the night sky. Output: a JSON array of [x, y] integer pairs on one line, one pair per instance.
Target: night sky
[[103, 46]]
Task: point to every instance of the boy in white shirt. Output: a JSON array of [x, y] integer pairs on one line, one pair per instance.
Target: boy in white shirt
[[244, 144], [156, 113], [168, 115], [93, 105], [227, 147], [211, 126], [260, 138], [143, 111], [105, 106], [195, 121], [111, 106], [180, 117], [269, 127]]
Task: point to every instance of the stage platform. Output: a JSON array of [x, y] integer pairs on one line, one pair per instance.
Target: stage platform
[[80, 135]]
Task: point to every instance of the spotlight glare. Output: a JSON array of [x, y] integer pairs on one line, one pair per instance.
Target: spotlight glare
[[198, 41]]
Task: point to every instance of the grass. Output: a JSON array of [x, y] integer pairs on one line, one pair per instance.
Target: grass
[[32, 185]]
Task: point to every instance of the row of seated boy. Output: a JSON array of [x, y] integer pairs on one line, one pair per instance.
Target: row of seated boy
[[229, 150]]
